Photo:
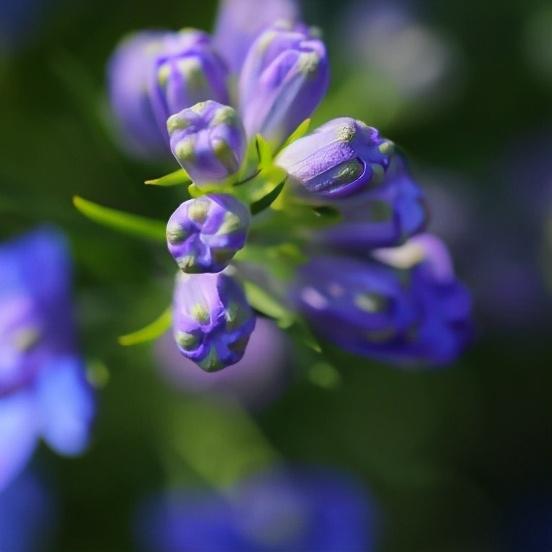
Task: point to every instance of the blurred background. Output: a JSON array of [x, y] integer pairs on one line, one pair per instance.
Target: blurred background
[[458, 459]]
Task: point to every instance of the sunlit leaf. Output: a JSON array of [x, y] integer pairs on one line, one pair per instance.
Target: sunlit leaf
[[176, 178], [128, 223], [268, 305], [299, 132], [267, 200], [149, 333]]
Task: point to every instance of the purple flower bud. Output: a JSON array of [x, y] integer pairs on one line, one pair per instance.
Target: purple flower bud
[[187, 71], [208, 140], [284, 78], [212, 320], [129, 74], [340, 158], [239, 23], [203, 234], [385, 216], [405, 306]]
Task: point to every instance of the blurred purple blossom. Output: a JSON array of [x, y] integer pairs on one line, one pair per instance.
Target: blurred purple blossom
[[404, 305], [43, 390], [279, 511]]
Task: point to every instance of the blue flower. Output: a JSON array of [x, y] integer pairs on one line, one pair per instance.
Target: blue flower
[[239, 22], [403, 305], [212, 320], [284, 78], [299, 511], [43, 391], [208, 140], [26, 515]]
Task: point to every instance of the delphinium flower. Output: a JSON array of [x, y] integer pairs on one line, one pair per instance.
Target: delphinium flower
[[43, 390], [27, 515], [401, 304], [263, 197], [348, 165], [255, 381], [284, 77], [295, 510], [239, 23]]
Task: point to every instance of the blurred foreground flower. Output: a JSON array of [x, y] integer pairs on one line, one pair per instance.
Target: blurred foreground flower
[[257, 379], [43, 390], [282, 511], [26, 515]]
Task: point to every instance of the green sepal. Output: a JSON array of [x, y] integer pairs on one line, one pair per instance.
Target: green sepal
[[299, 132], [134, 225], [152, 331], [176, 178]]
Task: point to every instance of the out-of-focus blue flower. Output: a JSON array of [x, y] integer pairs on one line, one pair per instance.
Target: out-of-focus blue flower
[[284, 78], [187, 70], [405, 306], [208, 140], [204, 233], [256, 380], [26, 515], [299, 511], [19, 19], [129, 75], [341, 158], [239, 22], [43, 391], [154, 74], [212, 320], [383, 216]]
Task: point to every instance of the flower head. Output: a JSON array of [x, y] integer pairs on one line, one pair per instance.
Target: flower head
[[187, 70], [208, 140], [284, 78], [403, 306], [203, 234], [212, 320], [43, 392]]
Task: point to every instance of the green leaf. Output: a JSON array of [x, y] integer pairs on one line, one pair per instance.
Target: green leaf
[[128, 223], [264, 151], [301, 332], [152, 331], [267, 200], [324, 375], [299, 132], [263, 302], [175, 178]]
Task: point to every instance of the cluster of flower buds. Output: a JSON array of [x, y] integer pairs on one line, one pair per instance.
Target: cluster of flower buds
[[356, 291]]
